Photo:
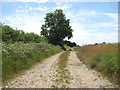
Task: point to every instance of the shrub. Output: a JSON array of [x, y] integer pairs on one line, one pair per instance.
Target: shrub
[[21, 56]]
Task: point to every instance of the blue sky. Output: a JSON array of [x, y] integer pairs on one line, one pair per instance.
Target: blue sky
[[92, 22]]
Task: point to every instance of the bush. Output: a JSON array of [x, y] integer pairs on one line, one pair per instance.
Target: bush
[[11, 35], [96, 44], [21, 56]]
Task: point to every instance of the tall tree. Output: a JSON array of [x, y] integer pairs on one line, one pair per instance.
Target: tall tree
[[56, 27]]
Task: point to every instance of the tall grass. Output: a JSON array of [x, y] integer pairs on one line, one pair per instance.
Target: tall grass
[[18, 57], [103, 58]]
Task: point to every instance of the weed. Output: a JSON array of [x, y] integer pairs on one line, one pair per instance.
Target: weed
[[99, 75], [63, 86], [66, 81], [56, 80]]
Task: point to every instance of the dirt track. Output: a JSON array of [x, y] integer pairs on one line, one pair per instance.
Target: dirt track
[[43, 75], [82, 77], [40, 76]]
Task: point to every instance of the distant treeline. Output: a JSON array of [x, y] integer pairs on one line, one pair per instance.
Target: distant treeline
[[71, 44], [11, 35]]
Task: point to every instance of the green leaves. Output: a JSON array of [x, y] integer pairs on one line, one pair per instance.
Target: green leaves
[[56, 27], [20, 56], [11, 35]]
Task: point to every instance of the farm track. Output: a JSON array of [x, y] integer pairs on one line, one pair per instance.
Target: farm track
[[43, 75], [40, 76], [82, 77]]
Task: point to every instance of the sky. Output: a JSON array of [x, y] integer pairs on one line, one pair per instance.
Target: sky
[[92, 22]]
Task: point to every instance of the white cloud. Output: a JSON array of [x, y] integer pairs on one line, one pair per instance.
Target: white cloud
[[58, 3], [106, 24], [30, 9], [43, 1], [84, 36], [40, 8], [93, 12], [21, 11], [114, 16], [32, 26], [89, 33], [28, 23], [20, 6], [63, 6], [81, 15]]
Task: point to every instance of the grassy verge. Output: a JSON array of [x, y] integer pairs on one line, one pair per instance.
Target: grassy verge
[[103, 58], [63, 60], [19, 57], [63, 73]]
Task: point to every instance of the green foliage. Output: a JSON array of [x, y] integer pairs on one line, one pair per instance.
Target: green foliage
[[106, 63], [96, 60], [21, 56], [11, 35], [56, 27], [96, 44], [109, 62], [71, 44], [66, 47]]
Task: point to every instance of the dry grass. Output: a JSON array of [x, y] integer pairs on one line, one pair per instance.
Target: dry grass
[[75, 47], [103, 58]]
